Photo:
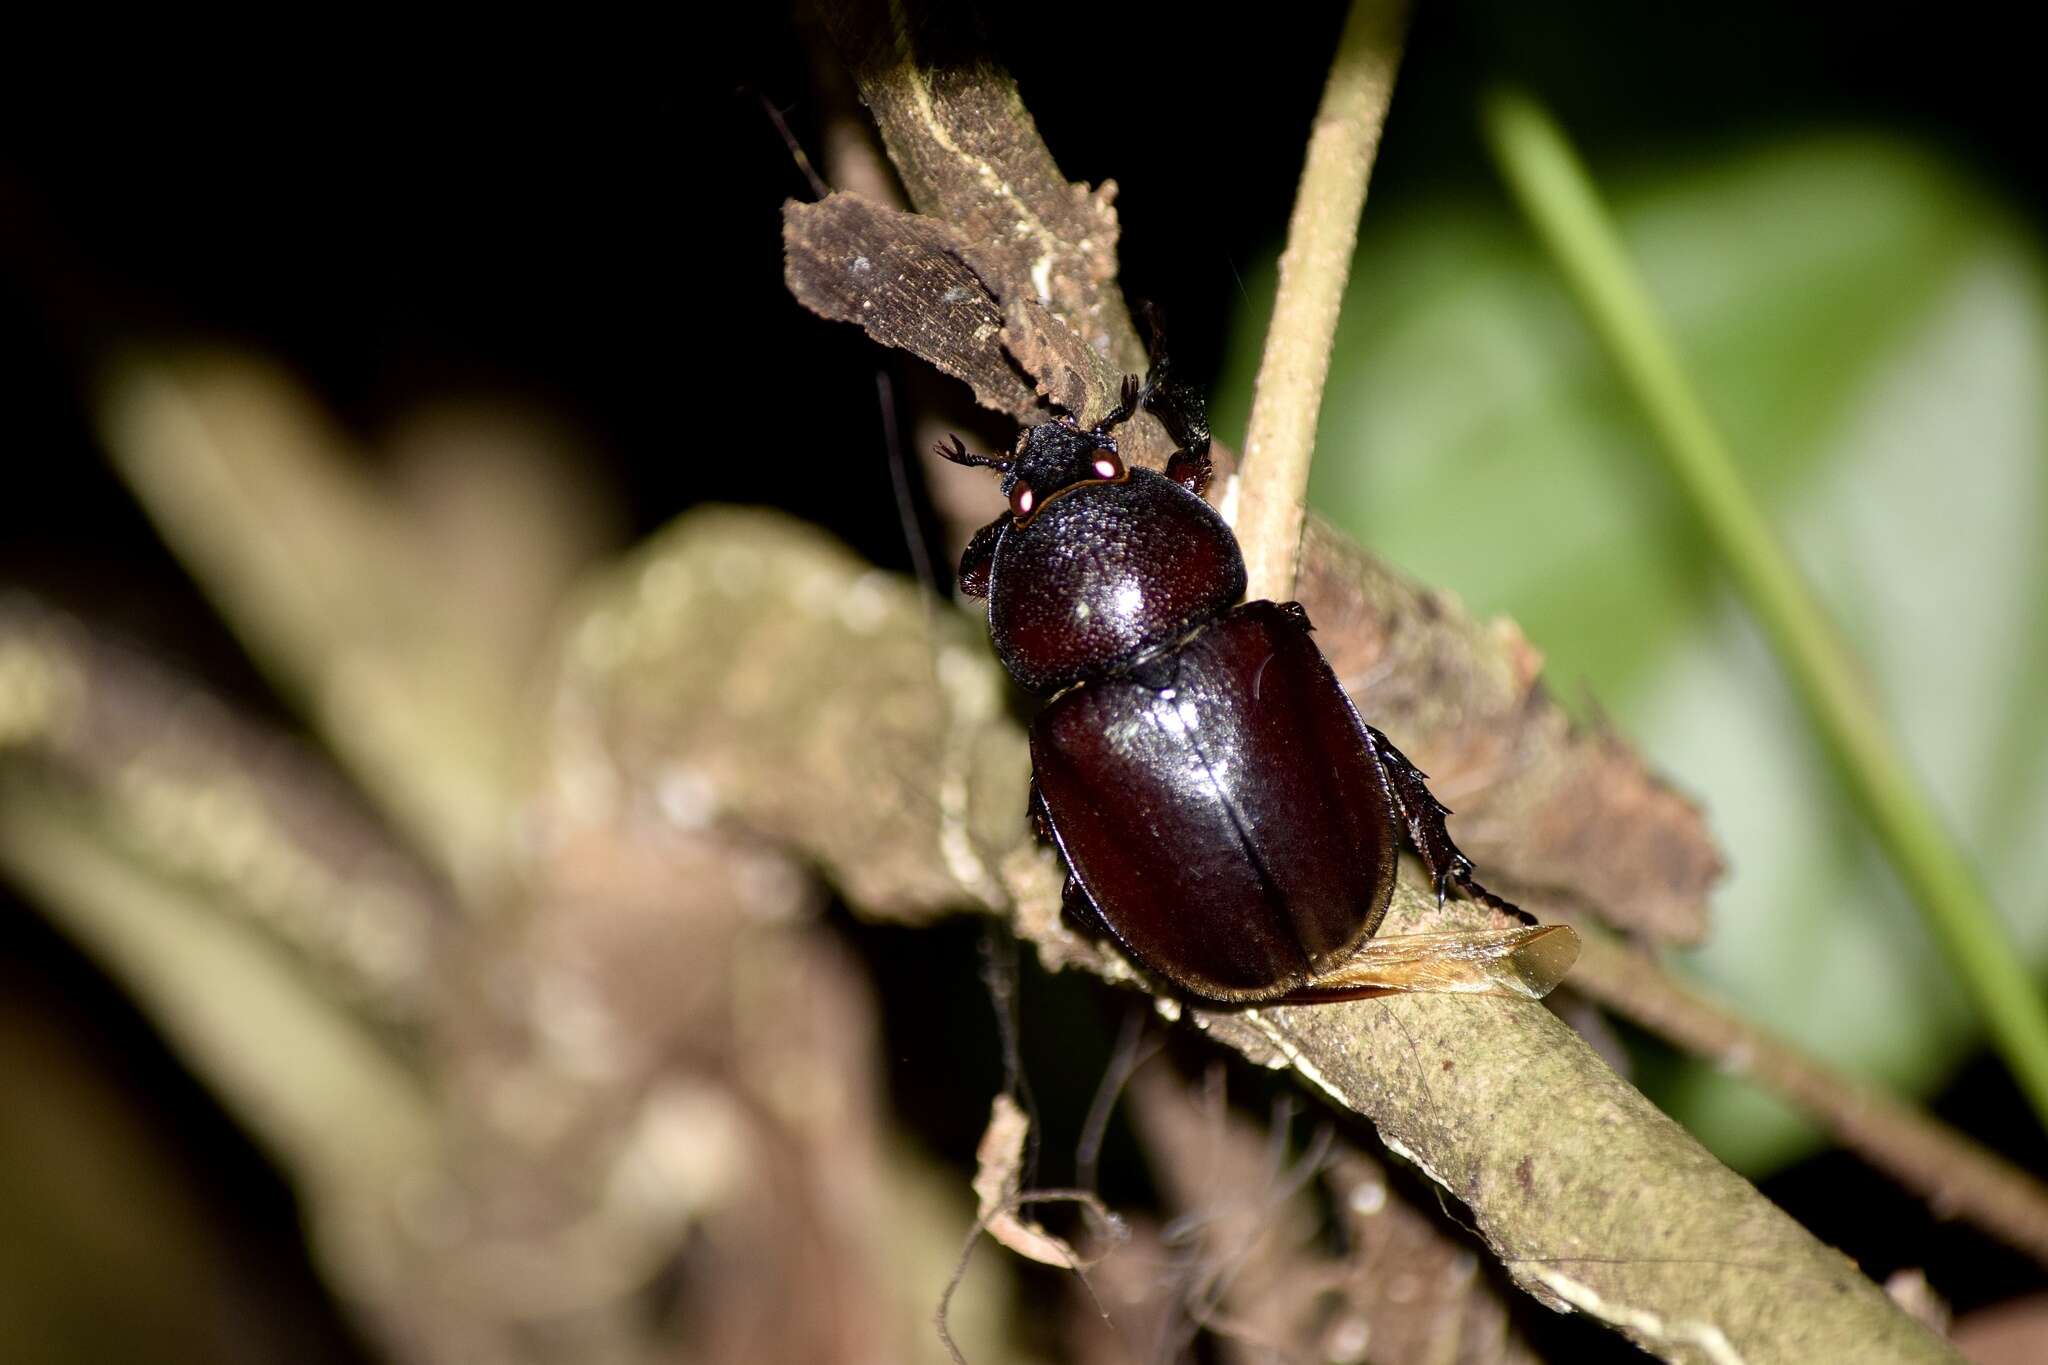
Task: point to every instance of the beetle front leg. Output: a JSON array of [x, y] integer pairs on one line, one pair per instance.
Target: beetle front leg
[[1423, 815], [980, 556], [1191, 472], [1180, 409], [1128, 399]]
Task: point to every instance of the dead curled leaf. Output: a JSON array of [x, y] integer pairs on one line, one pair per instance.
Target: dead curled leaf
[[998, 1182], [904, 280]]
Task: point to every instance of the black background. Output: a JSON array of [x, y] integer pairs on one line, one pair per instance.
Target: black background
[[592, 224]]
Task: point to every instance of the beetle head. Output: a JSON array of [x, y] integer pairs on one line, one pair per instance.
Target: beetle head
[[1056, 458]]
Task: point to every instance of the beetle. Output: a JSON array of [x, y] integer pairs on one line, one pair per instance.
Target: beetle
[[1226, 816]]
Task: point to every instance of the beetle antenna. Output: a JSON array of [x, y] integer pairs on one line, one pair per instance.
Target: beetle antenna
[[955, 450]]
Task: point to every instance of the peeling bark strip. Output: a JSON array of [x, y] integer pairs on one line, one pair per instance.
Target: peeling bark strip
[[827, 715], [905, 280], [969, 154], [901, 279]]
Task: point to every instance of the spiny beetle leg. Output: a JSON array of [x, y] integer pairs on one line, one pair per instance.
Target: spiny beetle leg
[[1179, 407], [1180, 410], [1190, 471], [1128, 399], [1448, 868], [1075, 903]]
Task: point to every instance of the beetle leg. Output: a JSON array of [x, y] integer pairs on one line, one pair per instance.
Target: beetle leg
[[1449, 869], [1075, 903], [980, 557], [1180, 409], [1079, 908], [1137, 393], [1128, 399], [1190, 471], [1041, 821]]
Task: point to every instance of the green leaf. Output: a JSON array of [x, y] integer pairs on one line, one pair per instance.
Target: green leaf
[[1871, 333]]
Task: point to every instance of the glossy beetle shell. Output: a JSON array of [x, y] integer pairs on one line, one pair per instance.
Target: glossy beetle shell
[[1104, 572], [1223, 808], [1224, 813]]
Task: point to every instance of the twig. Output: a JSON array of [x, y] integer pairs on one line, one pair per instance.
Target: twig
[[1958, 1178], [1579, 1185], [971, 161], [1563, 206], [1280, 440]]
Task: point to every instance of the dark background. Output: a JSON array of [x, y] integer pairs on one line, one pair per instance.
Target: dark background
[[601, 239]]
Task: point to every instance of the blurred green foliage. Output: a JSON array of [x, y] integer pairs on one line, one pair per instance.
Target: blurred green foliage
[[1871, 332]]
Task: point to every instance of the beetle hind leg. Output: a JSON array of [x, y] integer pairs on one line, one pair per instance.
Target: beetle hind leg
[[1423, 816]]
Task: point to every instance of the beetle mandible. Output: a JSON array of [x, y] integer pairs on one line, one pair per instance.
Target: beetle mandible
[[1225, 815]]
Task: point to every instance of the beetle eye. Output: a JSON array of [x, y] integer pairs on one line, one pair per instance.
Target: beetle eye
[[1107, 466], [1023, 501]]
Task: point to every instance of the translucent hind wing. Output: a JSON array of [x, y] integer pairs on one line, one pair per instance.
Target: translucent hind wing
[[1525, 963]]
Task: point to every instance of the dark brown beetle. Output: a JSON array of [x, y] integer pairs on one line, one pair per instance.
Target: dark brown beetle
[[1225, 815]]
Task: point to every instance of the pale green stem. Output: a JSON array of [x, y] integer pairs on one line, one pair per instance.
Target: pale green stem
[[1280, 439], [1554, 190]]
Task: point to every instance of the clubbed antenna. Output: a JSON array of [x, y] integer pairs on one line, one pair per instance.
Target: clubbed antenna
[[952, 448]]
